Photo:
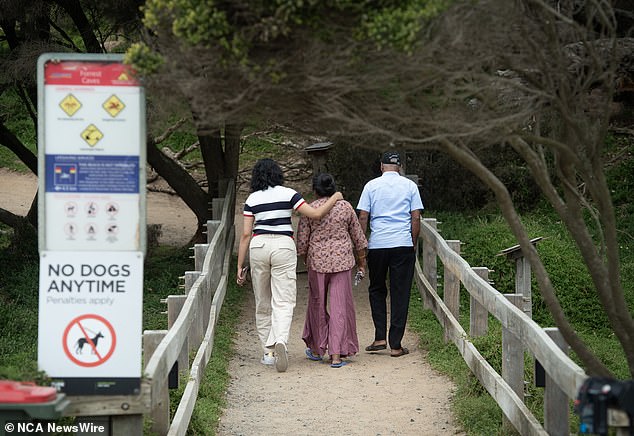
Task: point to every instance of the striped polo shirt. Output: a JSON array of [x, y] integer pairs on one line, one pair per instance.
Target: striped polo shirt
[[272, 209]]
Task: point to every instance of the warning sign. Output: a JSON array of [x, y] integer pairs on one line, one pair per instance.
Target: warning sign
[[90, 314], [89, 340], [113, 106], [70, 105], [91, 150], [92, 135]]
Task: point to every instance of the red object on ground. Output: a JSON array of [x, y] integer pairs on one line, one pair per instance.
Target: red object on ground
[[25, 392]]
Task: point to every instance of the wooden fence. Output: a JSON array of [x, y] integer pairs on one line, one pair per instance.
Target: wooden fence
[[192, 318], [519, 334]]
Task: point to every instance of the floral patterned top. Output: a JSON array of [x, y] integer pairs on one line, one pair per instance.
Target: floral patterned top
[[328, 243]]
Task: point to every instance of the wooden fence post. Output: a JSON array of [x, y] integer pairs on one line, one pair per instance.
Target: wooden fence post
[[523, 285], [430, 260], [619, 420], [478, 315], [200, 250], [196, 332], [217, 205], [212, 226], [556, 402], [174, 305], [513, 358], [160, 414], [522, 275], [127, 424], [451, 289]]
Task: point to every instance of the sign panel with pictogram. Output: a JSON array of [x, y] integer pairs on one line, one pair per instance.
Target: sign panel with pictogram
[[89, 335], [84, 341], [91, 145]]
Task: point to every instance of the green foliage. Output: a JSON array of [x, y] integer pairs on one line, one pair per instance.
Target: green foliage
[[620, 177], [19, 299], [144, 60], [211, 396], [17, 121], [398, 24], [256, 147], [220, 25], [161, 273]]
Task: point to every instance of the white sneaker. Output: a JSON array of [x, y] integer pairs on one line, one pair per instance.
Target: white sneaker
[[268, 359], [281, 357]]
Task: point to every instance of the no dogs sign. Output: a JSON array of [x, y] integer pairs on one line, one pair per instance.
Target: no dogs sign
[[91, 145], [89, 331]]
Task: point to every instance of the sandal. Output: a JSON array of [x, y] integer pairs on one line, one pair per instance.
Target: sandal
[[311, 356], [402, 352], [338, 364], [375, 347]]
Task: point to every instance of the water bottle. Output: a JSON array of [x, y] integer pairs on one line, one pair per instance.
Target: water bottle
[[358, 277]]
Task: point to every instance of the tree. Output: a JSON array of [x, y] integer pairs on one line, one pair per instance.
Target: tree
[[537, 76], [92, 27]]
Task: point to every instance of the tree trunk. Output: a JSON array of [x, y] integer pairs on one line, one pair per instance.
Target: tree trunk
[[74, 9], [221, 159], [9, 140], [181, 181]]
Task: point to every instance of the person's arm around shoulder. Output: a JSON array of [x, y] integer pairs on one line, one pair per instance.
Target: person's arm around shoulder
[[303, 238], [245, 238], [317, 213]]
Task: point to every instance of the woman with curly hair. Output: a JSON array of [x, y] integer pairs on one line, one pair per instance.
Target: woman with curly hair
[[268, 234]]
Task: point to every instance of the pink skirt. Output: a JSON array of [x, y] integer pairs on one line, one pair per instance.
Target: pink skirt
[[331, 324]]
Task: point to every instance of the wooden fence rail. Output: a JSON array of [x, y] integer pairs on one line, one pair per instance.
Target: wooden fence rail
[[192, 319], [195, 324], [193, 316], [519, 333]]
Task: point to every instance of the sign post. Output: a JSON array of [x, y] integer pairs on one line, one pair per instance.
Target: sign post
[[92, 213]]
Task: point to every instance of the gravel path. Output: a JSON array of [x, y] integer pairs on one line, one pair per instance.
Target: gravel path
[[374, 394]]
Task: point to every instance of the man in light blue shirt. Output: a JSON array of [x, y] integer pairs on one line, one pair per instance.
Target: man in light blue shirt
[[392, 204]]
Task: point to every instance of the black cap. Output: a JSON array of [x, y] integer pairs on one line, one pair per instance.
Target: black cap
[[391, 158]]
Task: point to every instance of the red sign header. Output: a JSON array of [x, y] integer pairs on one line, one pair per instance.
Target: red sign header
[[89, 74]]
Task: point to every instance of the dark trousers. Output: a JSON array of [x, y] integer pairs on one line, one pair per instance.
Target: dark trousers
[[399, 264]]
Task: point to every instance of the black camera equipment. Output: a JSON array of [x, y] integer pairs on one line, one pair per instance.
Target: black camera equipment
[[597, 395]]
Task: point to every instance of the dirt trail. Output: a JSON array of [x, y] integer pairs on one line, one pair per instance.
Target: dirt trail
[[373, 395], [17, 191]]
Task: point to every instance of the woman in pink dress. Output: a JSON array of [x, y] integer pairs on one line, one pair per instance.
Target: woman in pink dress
[[329, 245]]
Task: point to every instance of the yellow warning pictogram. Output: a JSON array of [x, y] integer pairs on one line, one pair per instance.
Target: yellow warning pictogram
[[113, 105], [92, 135], [70, 105]]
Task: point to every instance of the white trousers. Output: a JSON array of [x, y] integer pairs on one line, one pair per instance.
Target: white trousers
[[273, 260]]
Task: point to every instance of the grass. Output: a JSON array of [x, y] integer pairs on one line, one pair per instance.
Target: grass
[[484, 236], [20, 124], [19, 318], [211, 396]]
